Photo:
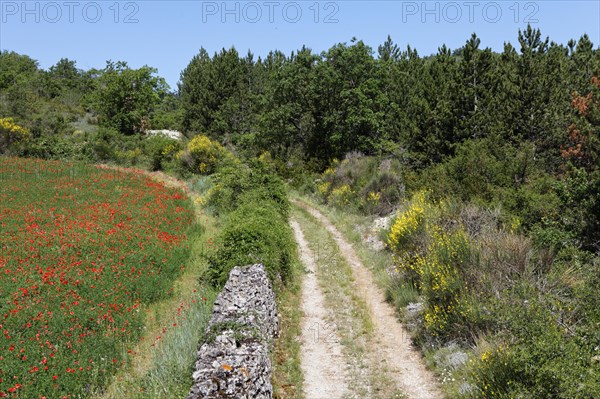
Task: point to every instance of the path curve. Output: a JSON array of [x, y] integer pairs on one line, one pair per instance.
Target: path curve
[[404, 362], [322, 362]]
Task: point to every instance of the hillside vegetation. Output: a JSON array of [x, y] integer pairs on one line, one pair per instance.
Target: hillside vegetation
[[486, 162]]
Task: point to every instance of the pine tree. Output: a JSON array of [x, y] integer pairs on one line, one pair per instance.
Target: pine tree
[[583, 64], [392, 74], [474, 90], [198, 102], [532, 95], [438, 118]]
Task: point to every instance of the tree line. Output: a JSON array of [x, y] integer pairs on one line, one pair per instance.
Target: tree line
[[471, 119], [391, 101], [319, 107]]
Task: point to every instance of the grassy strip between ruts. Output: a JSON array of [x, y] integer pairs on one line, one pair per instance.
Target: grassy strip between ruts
[[287, 374], [354, 227]]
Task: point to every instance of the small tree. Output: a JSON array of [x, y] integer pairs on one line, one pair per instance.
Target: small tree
[[580, 186], [125, 97]]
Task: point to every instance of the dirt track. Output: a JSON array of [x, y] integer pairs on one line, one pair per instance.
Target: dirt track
[[321, 358], [404, 363]]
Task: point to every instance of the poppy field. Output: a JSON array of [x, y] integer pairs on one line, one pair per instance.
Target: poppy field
[[82, 249]]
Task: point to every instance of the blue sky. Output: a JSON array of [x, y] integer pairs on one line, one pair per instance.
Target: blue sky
[[167, 34]]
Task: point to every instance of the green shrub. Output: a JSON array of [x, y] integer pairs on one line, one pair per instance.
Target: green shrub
[[253, 233], [531, 203], [367, 184], [269, 195], [579, 193], [492, 175], [108, 145], [160, 151], [228, 184], [553, 338], [235, 181], [550, 234], [254, 203], [56, 147], [540, 356]]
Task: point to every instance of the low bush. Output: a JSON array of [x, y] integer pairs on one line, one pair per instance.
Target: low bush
[[539, 354], [579, 192], [253, 233], [254, 204], [108, 145], [366, 184], [63, 147], [236, 181], [203, 155], [161, 151]]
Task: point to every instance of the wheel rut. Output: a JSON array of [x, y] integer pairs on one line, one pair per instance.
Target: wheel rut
[[322, 361]]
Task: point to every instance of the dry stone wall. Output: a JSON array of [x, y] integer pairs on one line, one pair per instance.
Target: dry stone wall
[[234, 360]]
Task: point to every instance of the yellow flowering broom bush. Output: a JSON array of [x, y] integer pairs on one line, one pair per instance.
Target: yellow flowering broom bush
[[435, 258], [340, 196], [203, 155], [441, 280], [409, 223], [11, 133], [407, 236]]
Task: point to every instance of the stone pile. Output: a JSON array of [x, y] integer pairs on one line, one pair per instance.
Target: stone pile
[[234, 360]]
